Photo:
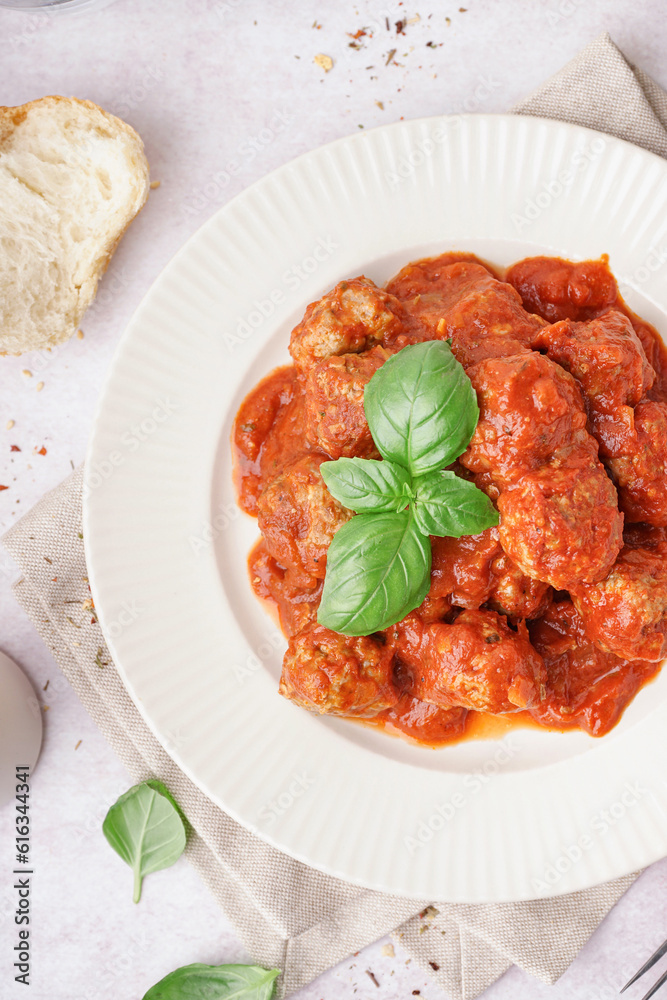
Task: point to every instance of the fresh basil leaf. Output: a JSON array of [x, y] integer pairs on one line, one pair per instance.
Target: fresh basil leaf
[[216, 982], [445, 504], [364, 484], [146, 829], [378, 570], [421, 407]]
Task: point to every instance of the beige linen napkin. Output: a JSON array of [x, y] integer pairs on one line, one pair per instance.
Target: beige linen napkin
[[287, 914]]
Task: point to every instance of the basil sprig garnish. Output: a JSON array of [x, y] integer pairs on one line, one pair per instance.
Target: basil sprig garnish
[[422, 411]]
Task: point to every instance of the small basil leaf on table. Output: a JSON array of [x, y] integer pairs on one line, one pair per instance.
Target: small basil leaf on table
[[421, 407], [216, 982], [445, 504], [363, 484], [378, 570], [146, 829]]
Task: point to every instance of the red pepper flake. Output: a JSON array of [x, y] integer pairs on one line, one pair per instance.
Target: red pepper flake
[[14, 447], [4, 487], [358, 34], [400, 25], [40, 451], [416, 993], [434, 966]]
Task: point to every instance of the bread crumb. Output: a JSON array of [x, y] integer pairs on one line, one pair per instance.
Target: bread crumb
[[39, 386], [155, 184], [388, 950], [27, 373], [79, 334], [324, 62], [10, 424]]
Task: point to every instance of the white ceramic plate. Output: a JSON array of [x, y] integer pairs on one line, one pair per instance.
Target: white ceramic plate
[[539, 814]]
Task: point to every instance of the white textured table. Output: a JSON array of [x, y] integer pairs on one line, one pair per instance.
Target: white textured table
[[206, 83]]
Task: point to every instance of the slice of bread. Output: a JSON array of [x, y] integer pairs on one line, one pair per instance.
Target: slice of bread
[[72, 178]]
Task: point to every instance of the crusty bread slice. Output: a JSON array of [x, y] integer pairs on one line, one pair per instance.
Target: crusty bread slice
[[72, 178]]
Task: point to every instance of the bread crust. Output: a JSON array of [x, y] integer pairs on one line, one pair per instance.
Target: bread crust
[[11, 119]]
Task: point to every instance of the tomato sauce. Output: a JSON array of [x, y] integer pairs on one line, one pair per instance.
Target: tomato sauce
[[587, 687]]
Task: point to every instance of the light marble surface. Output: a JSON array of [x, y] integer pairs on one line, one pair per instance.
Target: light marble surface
[[204, 83]]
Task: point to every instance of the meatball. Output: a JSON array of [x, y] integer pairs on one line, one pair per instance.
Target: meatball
[[337, 674], [355, 316], [461, 568], [335, 417], [529, 409], [477, 662], [640, 468], [586, 687], [626, 613], [463, 301], [474, 570], [513, 593], [298, 518], [561, 525], [606, 357], [560, 289]]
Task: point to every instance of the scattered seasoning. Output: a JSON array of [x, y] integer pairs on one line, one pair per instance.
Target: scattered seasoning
[[39, 386], [49, 561], [372, 978], [323, 61], [14, 447], [155, 184], [88, 604], [71, 621], [388, 950], [431, 45], [430, 913], [80, 334], [27, 373], [78, 745], [4, 487], [10, 424], [380, 105], [390, 56], [79, 534], [449, 21], [40, 451], [400, 25], [46, 685], [46, 707], [463, 10], [98, 659], [434, 966], [416, 993]]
